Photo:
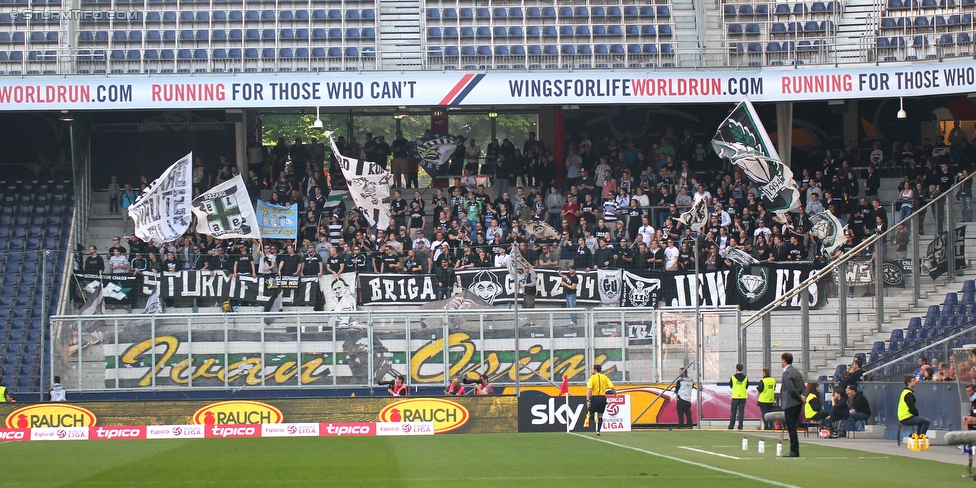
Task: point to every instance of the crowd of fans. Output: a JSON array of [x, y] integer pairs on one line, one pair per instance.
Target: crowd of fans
[[614, 203]]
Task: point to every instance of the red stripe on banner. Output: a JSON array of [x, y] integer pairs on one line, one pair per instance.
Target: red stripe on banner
[[457, 88]]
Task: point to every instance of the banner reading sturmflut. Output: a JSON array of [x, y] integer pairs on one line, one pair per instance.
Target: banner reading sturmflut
[[162, 213], [276, 221], [742, 139], [369, 186], [225, 211]]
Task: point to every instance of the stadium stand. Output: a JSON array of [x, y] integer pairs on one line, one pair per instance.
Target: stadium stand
[[34, 216]]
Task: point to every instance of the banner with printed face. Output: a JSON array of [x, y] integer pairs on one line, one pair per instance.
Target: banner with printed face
[[162, 212], [225, 211], [340, 292], [276, 221], [639, 291], [610, 287]]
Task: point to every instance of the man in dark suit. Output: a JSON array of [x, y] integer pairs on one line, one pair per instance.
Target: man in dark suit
[[792, 398]]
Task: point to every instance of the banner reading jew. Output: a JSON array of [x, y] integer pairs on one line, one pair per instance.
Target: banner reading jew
[[162, 212], [276, 221]]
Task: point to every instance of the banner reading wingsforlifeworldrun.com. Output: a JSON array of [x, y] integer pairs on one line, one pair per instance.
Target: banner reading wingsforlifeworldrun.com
[[368, 88]]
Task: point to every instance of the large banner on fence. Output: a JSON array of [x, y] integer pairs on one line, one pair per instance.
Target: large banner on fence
[[750, 287], [220, 286]]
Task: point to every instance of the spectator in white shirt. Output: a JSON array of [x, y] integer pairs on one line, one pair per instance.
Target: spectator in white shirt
[[501, 259]]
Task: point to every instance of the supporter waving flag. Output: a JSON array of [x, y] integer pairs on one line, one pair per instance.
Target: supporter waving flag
[[742, 139], [369, 187], [434, 151], [697, 216], [162, 213], [738, 256], [829, 230], [225, 211]]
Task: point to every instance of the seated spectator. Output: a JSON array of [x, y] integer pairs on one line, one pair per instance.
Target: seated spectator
[[838, 412], [812, 408], [908, 410], [859, 409]]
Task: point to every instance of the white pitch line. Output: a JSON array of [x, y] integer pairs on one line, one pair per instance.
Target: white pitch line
[[689, 448], [692, 463]]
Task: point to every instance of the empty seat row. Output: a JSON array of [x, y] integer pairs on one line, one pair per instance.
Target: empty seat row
[[35, 37], [552, 50], [582, 12], [748, 10], [922, 22], [962, 38], [187, 16], [153, 36], [776, 47], [783, 28], [927, 4], [533, 31], [236, 53]]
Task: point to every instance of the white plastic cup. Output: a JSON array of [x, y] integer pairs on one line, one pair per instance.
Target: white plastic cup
[[779, 449], [745, 444], [762, 446]]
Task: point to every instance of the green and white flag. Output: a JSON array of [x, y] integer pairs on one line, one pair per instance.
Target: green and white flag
[[225, 211], [742, 139], [697, 216], [829, 230], [335, 198]]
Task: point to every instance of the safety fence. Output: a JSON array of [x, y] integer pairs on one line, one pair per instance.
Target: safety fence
[[361, 349]]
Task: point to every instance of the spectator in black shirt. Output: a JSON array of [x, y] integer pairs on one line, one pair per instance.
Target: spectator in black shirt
[[312, 262], [603, 257], [289, 263], [117, 246], [244, 261]]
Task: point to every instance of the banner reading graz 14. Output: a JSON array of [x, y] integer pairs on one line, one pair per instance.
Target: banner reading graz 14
[[384, 89], [139, 358], [469, 414]]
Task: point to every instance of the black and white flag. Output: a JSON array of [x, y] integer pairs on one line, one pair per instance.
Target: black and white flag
[[340, 293], [518, 267], [829, 230], [539, 229], [434, 151], [369, 186], [639, 291], [742, 139], [738, 256], [162, 213], [225, 211], [697, 216], [610, 285]]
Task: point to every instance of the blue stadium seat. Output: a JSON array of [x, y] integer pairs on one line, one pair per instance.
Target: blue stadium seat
[[483, 13], [450, 32], [616, 49], [751, 29], [647, 12], [549, 13], [549, 31], [501, 50], [566, 31], [782, 9], [352, 33], [630, 11], [729, 10], [219, 54], [614, 30], [483, 33], [515, 13], [582, 31], [599, 31], [568, 50], [581, 13], [664, 30], [550, 50], [499, 13], [450, 14], [517, 51], [465, 14], [631, 30], [433, 33], [236, 34], [515, 31], [351, 52], [369, 14], [565, 12], [773, 47], [301, 34], [663, 11]]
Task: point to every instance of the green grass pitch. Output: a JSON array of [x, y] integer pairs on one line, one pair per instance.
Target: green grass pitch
[[648, 458]]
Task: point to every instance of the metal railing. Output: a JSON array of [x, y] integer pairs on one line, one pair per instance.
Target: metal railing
[[359, 349]]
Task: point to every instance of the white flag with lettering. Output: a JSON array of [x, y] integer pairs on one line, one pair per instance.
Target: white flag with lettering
[[162, 213], [369, 187]]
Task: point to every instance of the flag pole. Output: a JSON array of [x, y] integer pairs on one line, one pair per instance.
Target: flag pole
[[518, 358], [699, 329]]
